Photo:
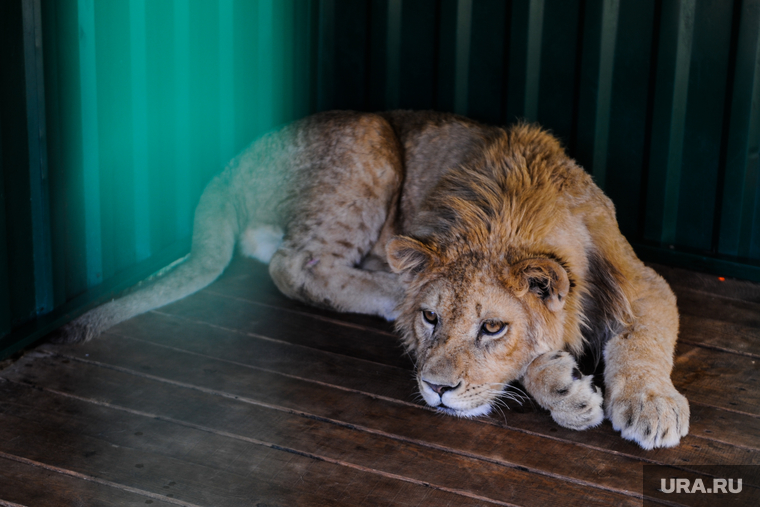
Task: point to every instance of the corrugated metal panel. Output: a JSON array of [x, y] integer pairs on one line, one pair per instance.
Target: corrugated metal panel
[[657, 100], [26, 272], [146, 100]]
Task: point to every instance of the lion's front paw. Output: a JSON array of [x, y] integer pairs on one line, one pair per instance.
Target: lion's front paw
[[556, 383], [649, 418], [581, 407]]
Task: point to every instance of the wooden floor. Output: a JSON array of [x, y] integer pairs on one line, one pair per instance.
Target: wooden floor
[[237, 396]]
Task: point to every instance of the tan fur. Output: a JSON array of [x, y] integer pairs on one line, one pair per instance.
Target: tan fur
[[496, 253]]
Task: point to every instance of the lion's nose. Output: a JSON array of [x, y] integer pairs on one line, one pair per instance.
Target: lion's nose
[[440, 389]]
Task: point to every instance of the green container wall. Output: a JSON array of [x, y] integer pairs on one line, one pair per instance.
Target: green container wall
[[145, 101], [658, 100], [142, 101]]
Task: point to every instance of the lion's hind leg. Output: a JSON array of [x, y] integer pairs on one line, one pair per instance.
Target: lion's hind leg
[[322, 278], [339, 224], [554, 381]]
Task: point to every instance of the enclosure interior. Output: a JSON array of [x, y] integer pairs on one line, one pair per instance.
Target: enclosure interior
[[114, 115]]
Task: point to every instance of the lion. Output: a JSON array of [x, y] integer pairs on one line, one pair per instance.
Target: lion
[[497, 256]]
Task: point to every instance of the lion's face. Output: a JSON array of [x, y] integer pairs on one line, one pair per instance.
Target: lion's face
[[470, 341], [474, 326]]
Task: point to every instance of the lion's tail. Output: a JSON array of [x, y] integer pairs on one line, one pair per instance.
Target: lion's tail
[[215, 233]]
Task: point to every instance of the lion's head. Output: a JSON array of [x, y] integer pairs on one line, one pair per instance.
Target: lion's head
[[473, 322]]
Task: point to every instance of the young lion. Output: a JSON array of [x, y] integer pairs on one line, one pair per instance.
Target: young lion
[[497, 255]]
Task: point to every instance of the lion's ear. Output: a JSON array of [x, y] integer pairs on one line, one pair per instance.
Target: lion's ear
[[407, 256], [546, 278]]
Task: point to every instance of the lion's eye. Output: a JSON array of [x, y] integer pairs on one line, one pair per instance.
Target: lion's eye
[[492, 327], [430, 317]]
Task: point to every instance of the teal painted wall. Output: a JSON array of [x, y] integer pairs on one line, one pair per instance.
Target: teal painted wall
[[145, 100], [115, 114]]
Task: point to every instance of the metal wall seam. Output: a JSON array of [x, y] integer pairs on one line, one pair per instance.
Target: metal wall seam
[[90, 143], [226, 81], [139, 81], [325, 55], [38, 174], [742, 165], [393, 55], [5, 304], [751, 188], [533, 59], [265, 60], [462, 56], [608, 36], [677, 120], [184, 204]]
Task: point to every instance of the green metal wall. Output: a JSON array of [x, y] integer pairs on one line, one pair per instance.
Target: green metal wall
[[658, 100], [145, 100], [128, 107]]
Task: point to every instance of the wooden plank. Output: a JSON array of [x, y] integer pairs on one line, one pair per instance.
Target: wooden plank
[[699, 294], [746, 313], [315, 482], [328, 335], [496, 441], [680, 279], [245, 317], [727, 427], [176, 461], [720, 335], [718, 379], [266, 354], [704, 304], [395, 384], [249, 279], [716, 312], [339, 443], [531, 440], [716, 264], [23, 484]]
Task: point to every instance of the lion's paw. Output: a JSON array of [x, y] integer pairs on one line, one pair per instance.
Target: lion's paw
[[651, 419], [557, 384]]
